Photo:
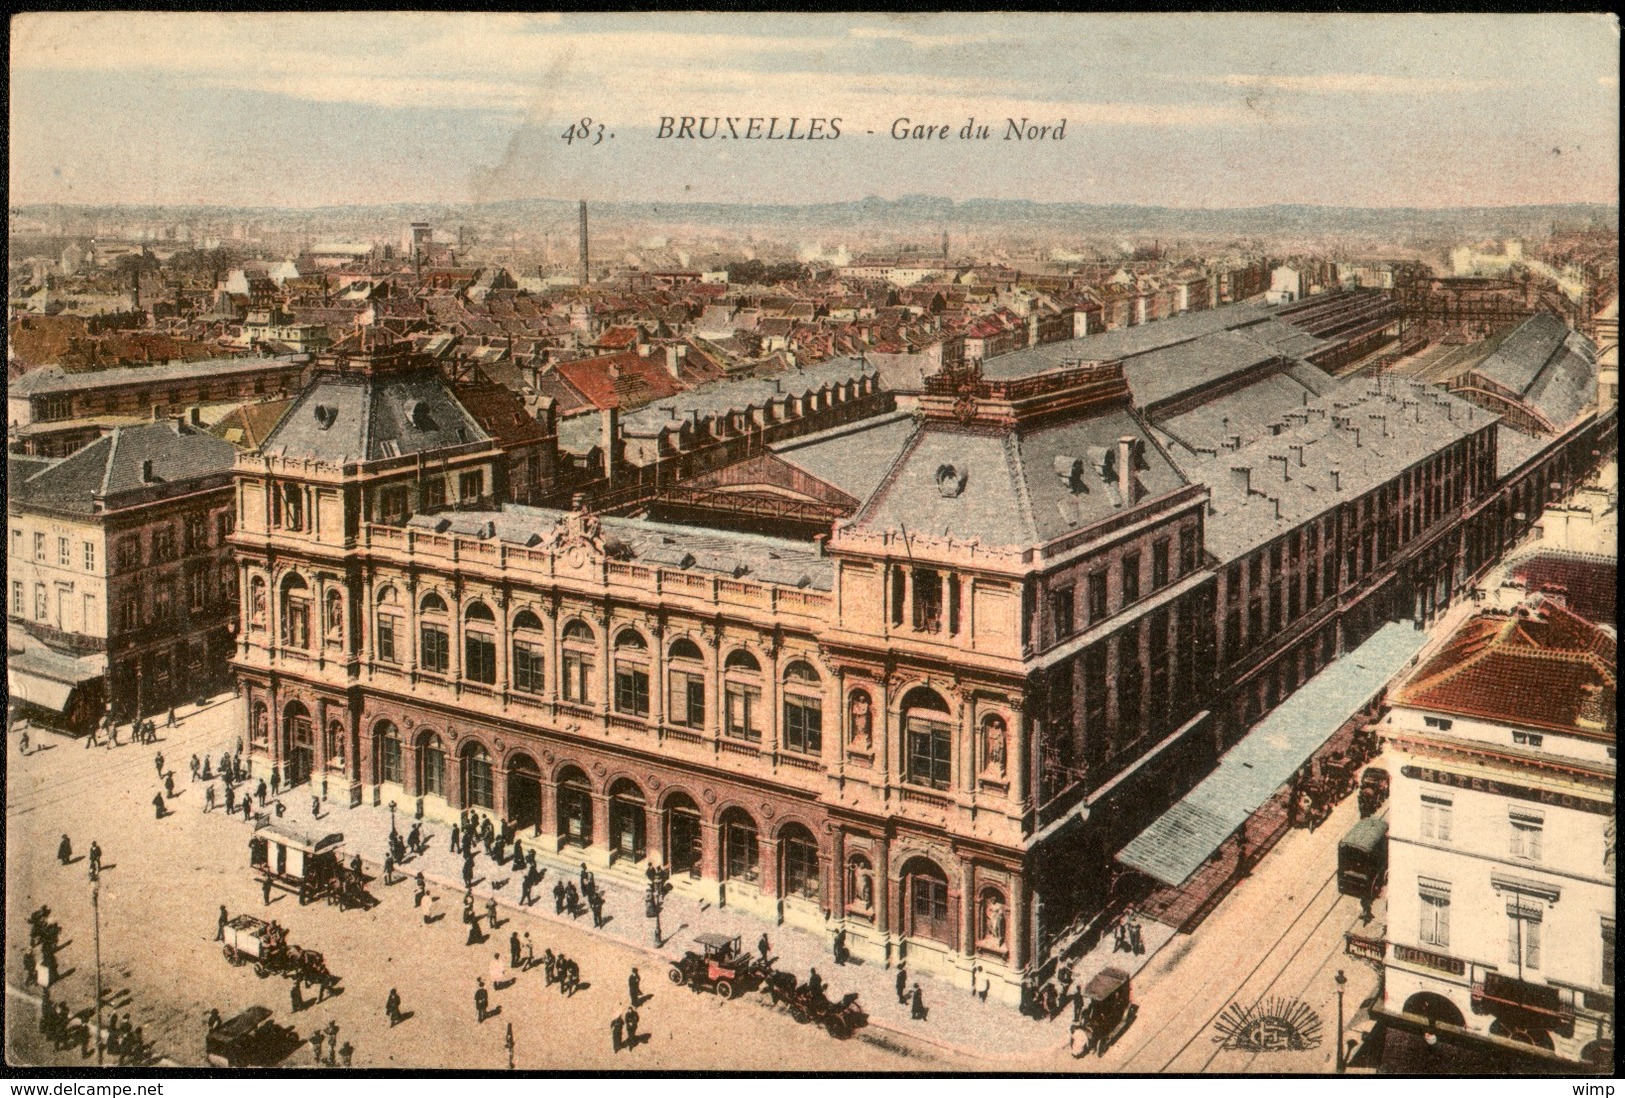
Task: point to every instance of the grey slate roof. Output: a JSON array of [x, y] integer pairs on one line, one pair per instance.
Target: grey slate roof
[[1552, 367], [1021, 488], [722, 397], [668, 545], [113, 464], [1283, 496], [54, 379], [1125, 342], [853, 457], [1246, 412], [1513, 448], [373, 418]]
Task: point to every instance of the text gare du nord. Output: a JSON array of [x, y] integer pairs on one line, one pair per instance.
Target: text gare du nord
[[797, 128]]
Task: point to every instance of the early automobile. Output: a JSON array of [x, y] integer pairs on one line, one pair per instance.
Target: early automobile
[[1104, 1011], [249, 1039], [718, 965], [1374, 785], [808, 1003], [1362, 860]]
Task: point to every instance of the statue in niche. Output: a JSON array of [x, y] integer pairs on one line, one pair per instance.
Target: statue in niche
[[861, 721], [994, 746], [993, 918]]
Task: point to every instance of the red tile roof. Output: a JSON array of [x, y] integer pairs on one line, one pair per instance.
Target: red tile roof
[[1588, 583], [1541, 667]]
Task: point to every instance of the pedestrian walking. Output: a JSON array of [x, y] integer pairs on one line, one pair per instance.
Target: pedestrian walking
[[499, 971], [839, 946], [276, 780], [220, 927], [95, 857], [265, 888], [513, 950], [525, 898], [248, 806], [491, 914], [508, 1041], [573, 974], [917, 1010], [558, 897], [389, 869], [586, 878], [169, 784], [194, 768], [762, 947], [158, 805], [902, 984], [549, 966], [231, 800], [631, 1019], [346, 1051], [332, 1041], [158, 763], [208, 798], [518, 855], [597, 905], [64, 851], [456, 839], [634, 987], [530, 953], [617, 1025], [392, 1008], [316, 807], [468, 873], [572, 901], [414, 839], [171, 717], [260, 792], [422, 890], [296, 1002], [482, 999]]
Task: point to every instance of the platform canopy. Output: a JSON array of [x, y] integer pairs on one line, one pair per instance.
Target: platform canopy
[[1249, 774]]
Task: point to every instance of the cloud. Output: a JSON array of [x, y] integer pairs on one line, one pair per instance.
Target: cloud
[[924, 41], [1355, 83]]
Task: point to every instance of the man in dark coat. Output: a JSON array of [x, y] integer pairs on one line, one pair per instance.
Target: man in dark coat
[[220, 927], [513, 949], [917, 1010], [902, 984], [64, 851], [482, 998], [392, 1007]]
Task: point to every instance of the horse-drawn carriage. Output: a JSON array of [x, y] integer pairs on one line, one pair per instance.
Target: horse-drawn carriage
[[1103, 1012], [807, 1002], [308, 864], [265, 945]]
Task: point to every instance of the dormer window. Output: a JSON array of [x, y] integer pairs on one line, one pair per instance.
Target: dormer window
[[951, 480]]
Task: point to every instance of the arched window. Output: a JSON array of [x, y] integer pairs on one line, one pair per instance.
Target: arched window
[[295, 612], [860, 885], [528, 651], [333, 745], [479, 644], [799, 852], [928, 739], [388, 739], [927, 904], [256, 603], [431, 765], [687, 677], [333, 617], [742, 683], [741, 859], [631, 673], [479, 791], [575, 807], [627, 816], [390, 624], [434, 635], [992, 918], [580, 647], [803, 709]]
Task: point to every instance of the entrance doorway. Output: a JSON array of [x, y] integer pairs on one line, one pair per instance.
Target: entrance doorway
[[299, 745], [627, 838], [524, 793], [683, 836]]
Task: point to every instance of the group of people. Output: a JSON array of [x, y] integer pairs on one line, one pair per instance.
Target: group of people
[[1126, 934], [913, 998], [567, 900], [44, 937], [335, 1051]]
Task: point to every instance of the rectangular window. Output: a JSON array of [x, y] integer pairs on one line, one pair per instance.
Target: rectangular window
[[1232, 584], [1526, 829], [129, 612], [393, 504], [1607, 953], [63, 556], [803, 724], [1523, 936], [687, 703], [224, 524], [197, 533], [471, 486], [90, 556], [1255, 571], [41, 607], [1443, 724], [386, 639], [129, 554], [930, 900], [16, 542], [527, 668], [577, 678], [927, 600], [631, 690], [1187, 551], [1436, 813], [480, 658], [929, 754], [1131, 578], [198, 584], [295, 621], [1435, 930], [1528, 739], [434, 649], [1097, 597], [163, 543], [1060, 612], [17, 597], [1159, 564], [744, 702], [39, 546], [434, 493]]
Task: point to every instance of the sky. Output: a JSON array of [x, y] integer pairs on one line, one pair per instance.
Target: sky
[[300, 110]]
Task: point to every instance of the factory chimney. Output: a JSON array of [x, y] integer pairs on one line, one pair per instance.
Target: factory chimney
[[583, 241]]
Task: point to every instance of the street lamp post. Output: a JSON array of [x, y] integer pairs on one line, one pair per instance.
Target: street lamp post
[[96, 918], [655, 898], [1341, 1062], [391, 819]]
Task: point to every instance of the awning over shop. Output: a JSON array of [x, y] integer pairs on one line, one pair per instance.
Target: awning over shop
[[1185, 836], [38, 691]]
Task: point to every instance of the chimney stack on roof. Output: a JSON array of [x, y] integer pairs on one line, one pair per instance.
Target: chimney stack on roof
[[1241, 478], [1286, 465], [1125, 469], [147, 475], [1297, 452], [1337, 479]]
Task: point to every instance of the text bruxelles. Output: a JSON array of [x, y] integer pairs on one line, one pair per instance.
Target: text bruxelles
[[708, 127]]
